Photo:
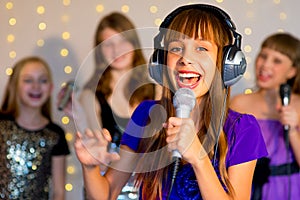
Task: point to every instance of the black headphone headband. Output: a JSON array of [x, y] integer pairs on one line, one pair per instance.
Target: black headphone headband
[[210, 8]]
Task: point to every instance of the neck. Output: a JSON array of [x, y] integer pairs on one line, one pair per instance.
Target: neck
[[120, 78], [270, 96], [31, 118]]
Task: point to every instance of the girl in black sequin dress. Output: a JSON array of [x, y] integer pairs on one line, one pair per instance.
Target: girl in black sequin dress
[[33, 148]]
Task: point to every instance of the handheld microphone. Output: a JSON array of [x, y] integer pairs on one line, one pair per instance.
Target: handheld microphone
[[184, 101], [70, 86], [285, 94]]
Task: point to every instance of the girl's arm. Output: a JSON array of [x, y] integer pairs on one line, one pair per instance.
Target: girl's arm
[[58, 177], [240, 177]]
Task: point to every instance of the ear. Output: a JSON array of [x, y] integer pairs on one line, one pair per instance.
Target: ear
[[292, 72]]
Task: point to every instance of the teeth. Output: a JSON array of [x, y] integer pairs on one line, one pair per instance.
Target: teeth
[[189, 75]]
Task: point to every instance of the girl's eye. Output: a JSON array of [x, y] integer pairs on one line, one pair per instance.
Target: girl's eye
[[175, 49], [201, 49], [28, 80], [277, 61], [44, 81]]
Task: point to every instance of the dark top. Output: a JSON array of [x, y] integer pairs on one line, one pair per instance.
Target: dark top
[[25, 158], [112, 122]]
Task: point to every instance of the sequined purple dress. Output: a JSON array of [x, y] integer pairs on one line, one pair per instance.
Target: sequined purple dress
[[245, 143], [278, 187], [25, 159]]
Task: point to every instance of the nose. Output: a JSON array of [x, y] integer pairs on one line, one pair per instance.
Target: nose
[[184, 60], [266, 62], [36, 84]]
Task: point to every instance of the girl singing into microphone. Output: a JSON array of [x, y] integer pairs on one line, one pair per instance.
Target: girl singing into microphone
[[219, 147], [277, 62]]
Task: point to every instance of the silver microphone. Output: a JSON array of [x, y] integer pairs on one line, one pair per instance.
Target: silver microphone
[[184, 101]]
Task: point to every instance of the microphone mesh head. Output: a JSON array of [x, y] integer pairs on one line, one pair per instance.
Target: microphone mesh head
[[184, 97], [285, 93]]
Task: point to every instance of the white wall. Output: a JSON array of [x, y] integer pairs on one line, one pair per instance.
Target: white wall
[[79, 18]]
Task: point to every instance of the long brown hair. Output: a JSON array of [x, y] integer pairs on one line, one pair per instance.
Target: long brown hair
[[288, 45], [123, 25], [193, 23], [10, 102]]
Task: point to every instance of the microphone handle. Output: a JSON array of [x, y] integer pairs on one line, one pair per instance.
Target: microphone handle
[[176, 154], [66, 97]]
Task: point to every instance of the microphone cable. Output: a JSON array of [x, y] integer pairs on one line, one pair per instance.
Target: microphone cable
[[174, 174], [220, 126]]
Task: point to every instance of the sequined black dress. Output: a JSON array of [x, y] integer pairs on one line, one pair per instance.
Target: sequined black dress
[[25, 159]]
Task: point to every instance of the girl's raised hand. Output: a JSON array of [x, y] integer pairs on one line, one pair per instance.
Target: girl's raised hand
[[92, 148]]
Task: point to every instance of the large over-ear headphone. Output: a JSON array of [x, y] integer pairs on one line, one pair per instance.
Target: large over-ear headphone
[[234, 62]]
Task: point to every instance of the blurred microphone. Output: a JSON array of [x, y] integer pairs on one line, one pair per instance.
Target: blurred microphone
[[285, 94], [70, 86]]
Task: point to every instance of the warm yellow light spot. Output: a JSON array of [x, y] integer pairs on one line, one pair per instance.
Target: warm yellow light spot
[[40, 10], [157, 21], [68, 69], [66, 2], [65, 35], [9, 71], [40, 42], [125, 8], [71, 169], [10, 38], [247, 48], [68, 187], [276, 1], [12, 21], [42, 26], [219, 1], [250, 1], [282, 16], [12, 54], [248, 31], [34, 167], [69, 136], [64, 52], [248, 91], [65, 120], [280, 30], [99, 8], [9, 5], [153, 9]]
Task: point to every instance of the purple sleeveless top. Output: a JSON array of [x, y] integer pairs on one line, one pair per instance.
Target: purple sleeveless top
[[245, 143], [277, 187]]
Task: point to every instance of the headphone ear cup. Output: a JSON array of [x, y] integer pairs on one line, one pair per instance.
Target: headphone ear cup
[[155, 66], [234, 65]]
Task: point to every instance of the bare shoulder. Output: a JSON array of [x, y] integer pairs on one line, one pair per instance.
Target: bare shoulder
[[241, 102], [86, 93]]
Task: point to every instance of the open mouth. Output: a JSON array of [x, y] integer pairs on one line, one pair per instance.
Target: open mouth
[[188, 79], [35, 96]]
